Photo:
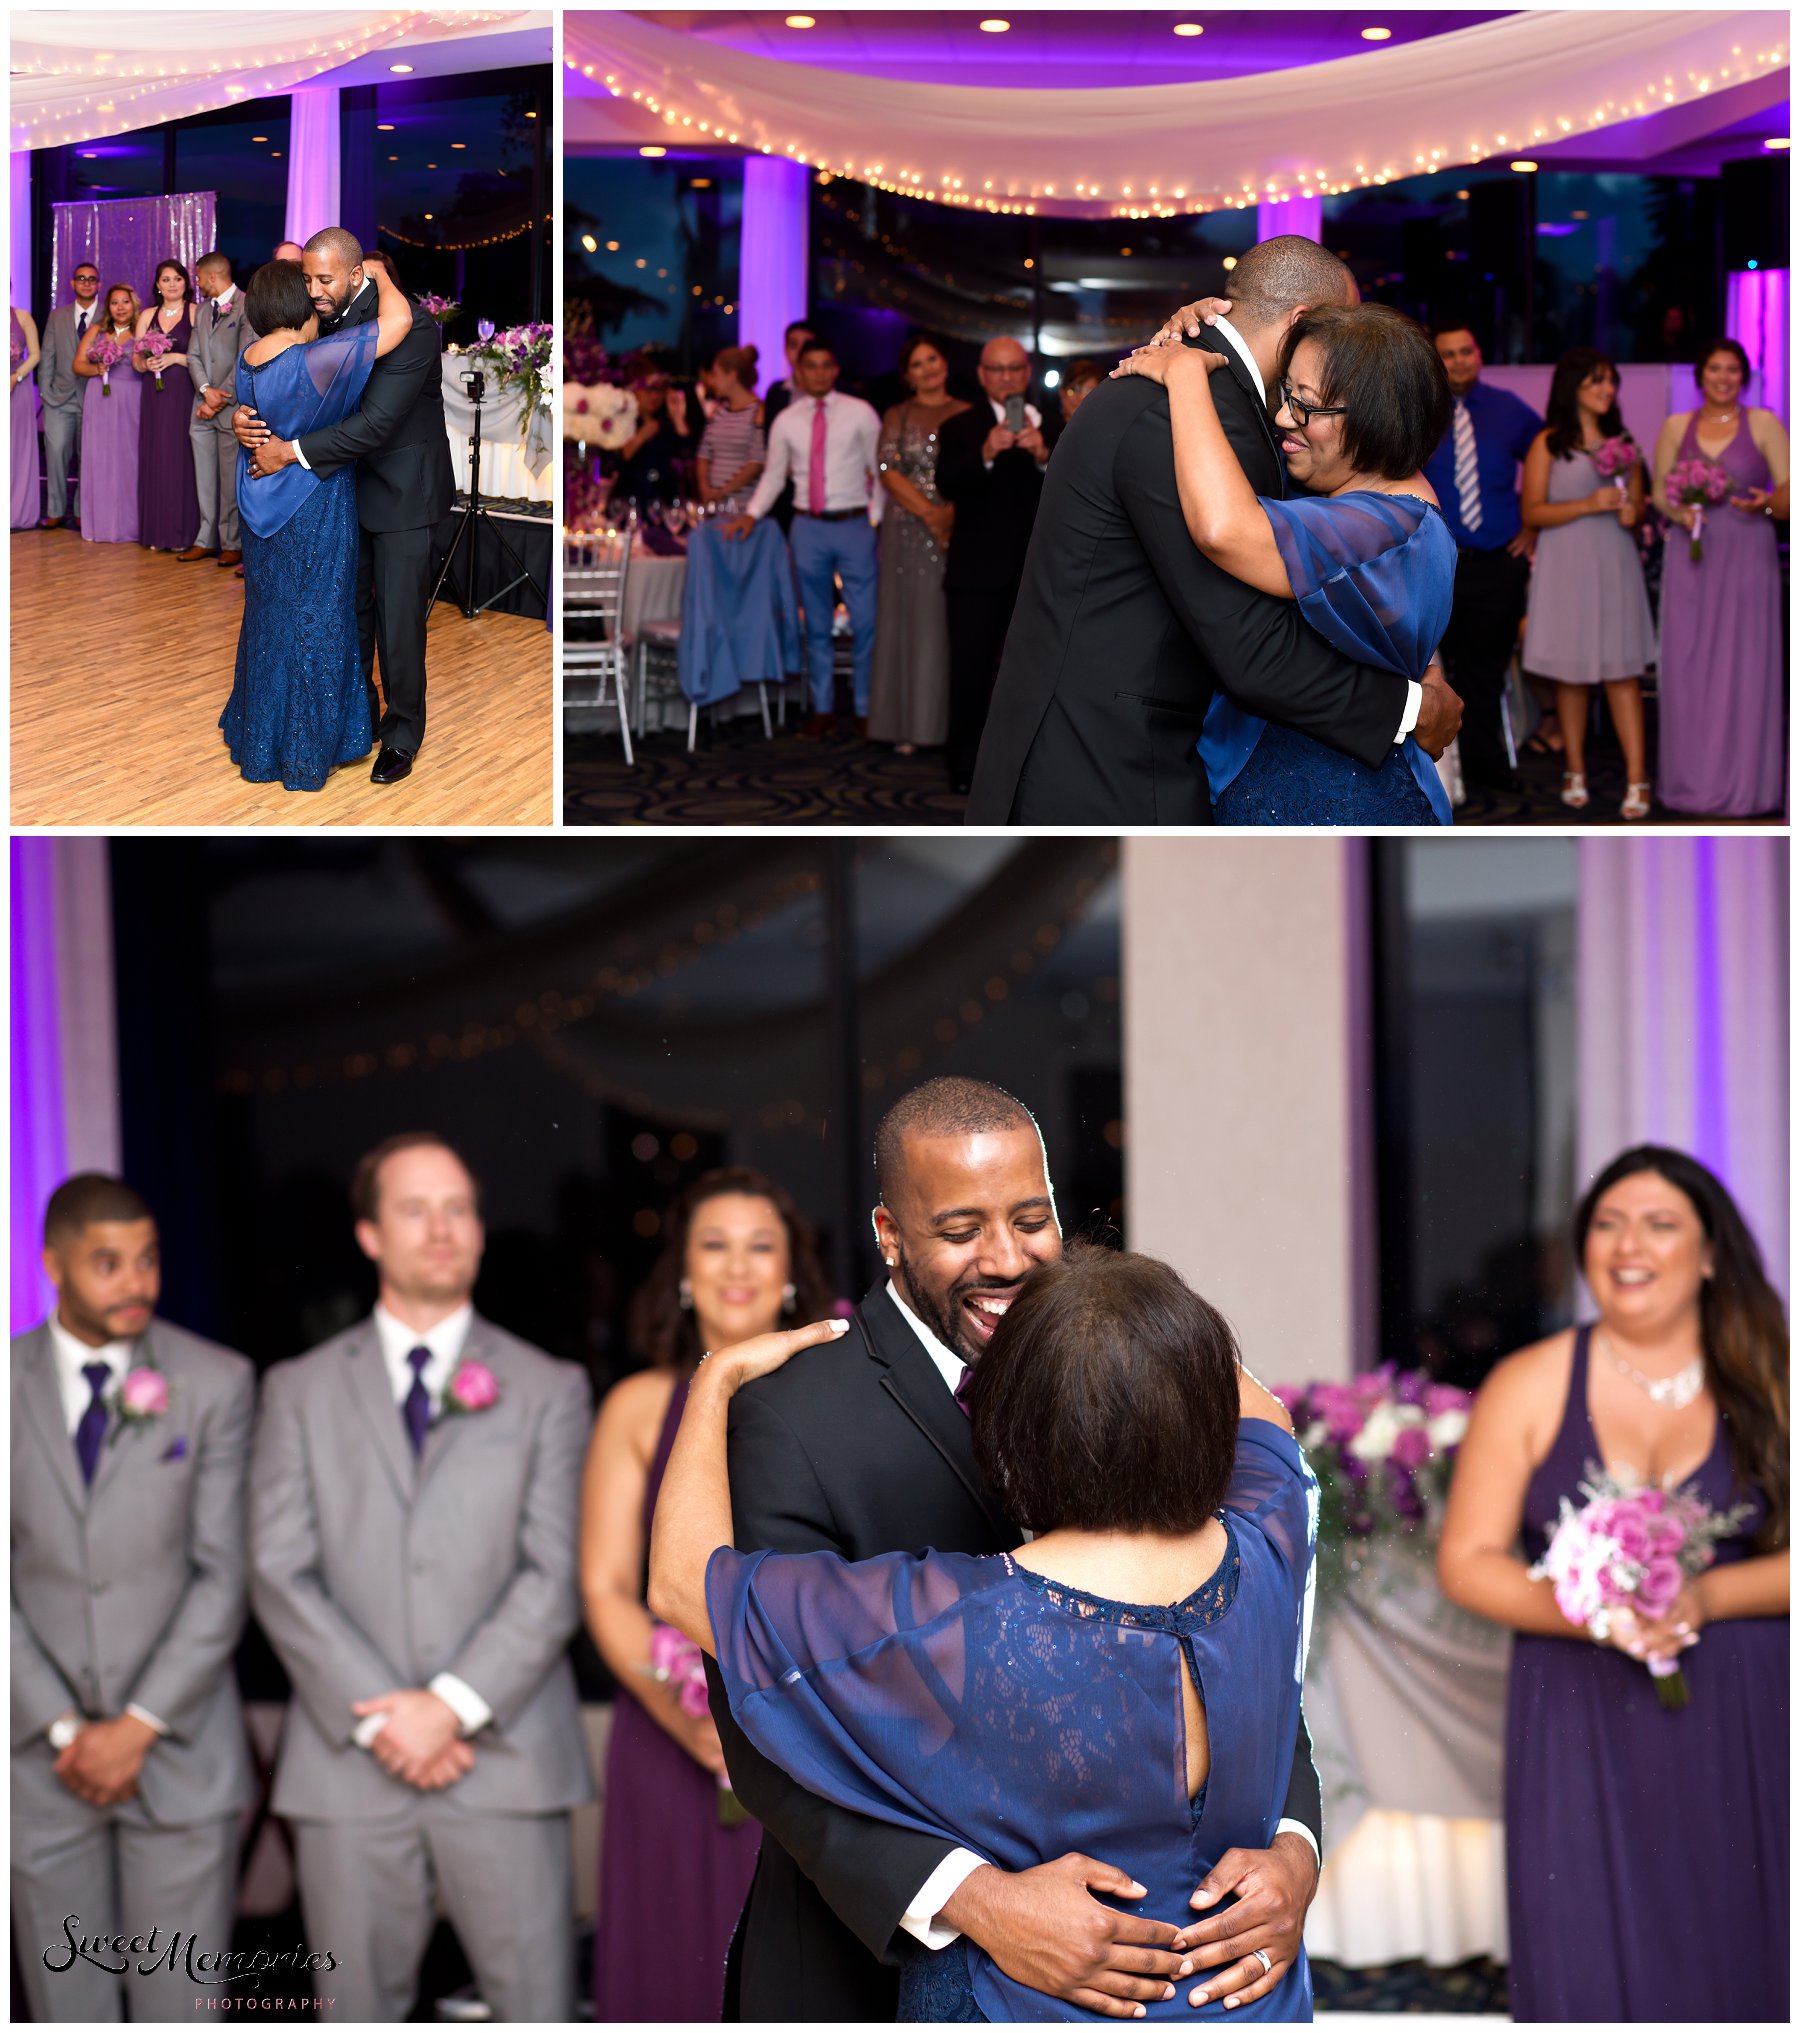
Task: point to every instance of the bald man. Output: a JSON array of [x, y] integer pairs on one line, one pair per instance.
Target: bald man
[[991, 463], [288, 250]]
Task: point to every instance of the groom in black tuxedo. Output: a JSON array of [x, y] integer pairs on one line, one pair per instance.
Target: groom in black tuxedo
[[404, 487], [1123, 628], [862, 1447]]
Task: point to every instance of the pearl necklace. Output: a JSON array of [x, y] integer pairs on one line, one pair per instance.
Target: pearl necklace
[[1676, 1392]]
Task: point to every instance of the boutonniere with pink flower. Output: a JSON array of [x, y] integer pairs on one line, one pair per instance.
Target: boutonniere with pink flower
[[143, 1396], [473, 1388]]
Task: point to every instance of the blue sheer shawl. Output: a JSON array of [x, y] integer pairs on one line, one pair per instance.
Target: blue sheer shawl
[[968, 1698], [304, 389], [1373, 574]]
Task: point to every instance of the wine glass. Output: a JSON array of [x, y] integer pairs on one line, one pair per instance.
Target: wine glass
[[675, 516]]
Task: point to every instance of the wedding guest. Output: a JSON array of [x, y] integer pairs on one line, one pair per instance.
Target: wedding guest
[[220, 333], [992, 475], [1681, 1384], [288, 250], [168, 501], [61, 390], [25, 468], [414, 1492], [732, 446], [1588, 620], [738, 1260], [776, 400], [649, 460], [1475, 472], [825, 443], [1719, 664], [1080, 379], [109, 426], [130, 1762], [909, 681]]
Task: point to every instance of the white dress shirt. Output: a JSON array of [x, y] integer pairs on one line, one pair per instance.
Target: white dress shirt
[[1415, 692], [852, 461], [445, 1342], [72, 1357], [920, 1918], [1033, 421], [301, 456]]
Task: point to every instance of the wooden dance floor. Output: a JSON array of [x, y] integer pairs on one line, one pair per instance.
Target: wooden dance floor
[[121, 666]]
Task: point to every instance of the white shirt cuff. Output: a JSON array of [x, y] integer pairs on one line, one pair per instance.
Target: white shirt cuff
[[920, 1918], [147, 1719], [1300, 1827], [301, 457], [1415, 698], [472, 1713], [366, 1731]]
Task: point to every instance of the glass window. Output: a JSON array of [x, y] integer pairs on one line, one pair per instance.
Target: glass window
[[241, 152], [650, 253]]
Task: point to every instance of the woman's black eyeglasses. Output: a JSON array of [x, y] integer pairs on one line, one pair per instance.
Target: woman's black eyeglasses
[[1304, 412]]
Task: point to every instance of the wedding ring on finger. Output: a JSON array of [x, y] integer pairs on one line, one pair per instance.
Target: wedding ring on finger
[[1262, 1956]]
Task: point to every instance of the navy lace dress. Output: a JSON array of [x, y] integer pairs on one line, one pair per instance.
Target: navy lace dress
[[968, 1698], [1373, 574], [299, 705]]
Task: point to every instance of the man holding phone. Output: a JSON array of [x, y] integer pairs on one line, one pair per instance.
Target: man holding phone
[[991, 463]]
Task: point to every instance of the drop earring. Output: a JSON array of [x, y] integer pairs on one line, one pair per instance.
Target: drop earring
[[789, 1293], [685, 1293]]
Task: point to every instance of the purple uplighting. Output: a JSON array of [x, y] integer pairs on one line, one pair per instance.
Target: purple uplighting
[[39, 1139], [772, 261], [312, 189], [1756, 316]]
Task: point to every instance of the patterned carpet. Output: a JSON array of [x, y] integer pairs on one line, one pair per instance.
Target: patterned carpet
[[736, 778], [1471, 1987]]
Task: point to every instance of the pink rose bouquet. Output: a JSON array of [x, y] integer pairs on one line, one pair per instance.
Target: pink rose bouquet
[[1614, 458], [473, 1388], [1698, 484], [152, 346], [143, 1396], [1632, 1548], [676, 1661], [107, 352]]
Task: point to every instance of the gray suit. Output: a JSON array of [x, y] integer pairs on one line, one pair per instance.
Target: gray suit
[[374, 1569], [212, 363], [61, 391], [129, 1590]]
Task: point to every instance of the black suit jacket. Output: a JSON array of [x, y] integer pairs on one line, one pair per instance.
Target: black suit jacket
[[397, 438], [995, 509], [856, 1448], [1123, 628]]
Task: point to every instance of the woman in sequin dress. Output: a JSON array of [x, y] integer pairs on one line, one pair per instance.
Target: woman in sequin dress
[[909, 684]]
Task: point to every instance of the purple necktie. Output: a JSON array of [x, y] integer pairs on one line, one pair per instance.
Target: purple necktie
[[417, 1409], [92, 1430], [961, 1393]]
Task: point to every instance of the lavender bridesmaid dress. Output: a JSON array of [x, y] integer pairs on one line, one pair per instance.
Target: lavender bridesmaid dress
[[26, 507], [109, 458], [1646, 1848], [1720, 748], [672, 1881], [168, 490]]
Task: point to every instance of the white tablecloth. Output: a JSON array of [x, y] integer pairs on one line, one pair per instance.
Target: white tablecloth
[[504, 473]]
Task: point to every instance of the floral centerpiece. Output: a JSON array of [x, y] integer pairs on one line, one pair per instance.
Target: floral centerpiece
[[152, 346], [676, 1661], [1614, 458], [1632, 1548], [1382, 1447], [441, 308], [107, 353], [602, 415], [521, 361], [1698, 484]]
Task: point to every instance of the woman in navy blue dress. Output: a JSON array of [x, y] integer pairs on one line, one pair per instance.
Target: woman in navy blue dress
[[1127, 1685], [299, 704], [1365, 552]]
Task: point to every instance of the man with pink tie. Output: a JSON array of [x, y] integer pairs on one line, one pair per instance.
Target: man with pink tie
[[826, 443]]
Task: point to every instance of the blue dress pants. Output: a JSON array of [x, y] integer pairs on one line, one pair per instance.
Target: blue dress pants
[[845, 551]]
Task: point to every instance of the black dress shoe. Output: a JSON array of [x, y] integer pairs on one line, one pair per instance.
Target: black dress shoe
[[391, 765]]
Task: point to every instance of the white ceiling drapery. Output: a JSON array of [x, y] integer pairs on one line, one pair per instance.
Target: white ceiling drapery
[[1499, 88], [78, 76]]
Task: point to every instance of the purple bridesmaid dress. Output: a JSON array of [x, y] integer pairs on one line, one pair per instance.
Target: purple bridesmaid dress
[[168, 492], [26, 507], [1719, 750], [672, 1881], [1646, 1848], [109, 458]]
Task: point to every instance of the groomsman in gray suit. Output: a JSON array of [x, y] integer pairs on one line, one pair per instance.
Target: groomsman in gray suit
[[61, 389], [220, 334], [129, 1761], [415, 1495]]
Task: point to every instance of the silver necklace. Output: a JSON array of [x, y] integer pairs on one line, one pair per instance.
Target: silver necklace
[[1676, 1392]]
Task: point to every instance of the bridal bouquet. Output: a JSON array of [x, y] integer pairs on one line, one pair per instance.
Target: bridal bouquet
[[1698, 484], [152, 346], [107, 352], [1382, 1447], [675, 1660], [1632, 1548], [1614, 458]]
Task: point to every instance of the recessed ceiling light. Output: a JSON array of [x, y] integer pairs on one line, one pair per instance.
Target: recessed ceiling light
[[653, 151], [1376, 34], [701, 183], [1524, 168], [1189, 28], [428, 215], [801, 21], [1776, 141], [400, 67], [393, 158], [995, 27], [259, 137], [459, 144], [384, 127], [530, 115]]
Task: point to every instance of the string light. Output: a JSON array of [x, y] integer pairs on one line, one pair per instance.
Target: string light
[[464, 246]]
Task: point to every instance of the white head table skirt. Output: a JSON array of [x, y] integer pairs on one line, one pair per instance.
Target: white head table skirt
[[504, 474]]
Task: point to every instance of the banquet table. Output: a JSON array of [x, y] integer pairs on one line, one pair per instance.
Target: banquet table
[[507, 460]]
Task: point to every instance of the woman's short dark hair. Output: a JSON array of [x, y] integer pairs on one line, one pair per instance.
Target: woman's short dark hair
[[664, 1331], [917, 340], [1107, 1399], [187, 287], [1563, 413], [1381, 365], [1743, 1329], [276, 300], [1730, 346]]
